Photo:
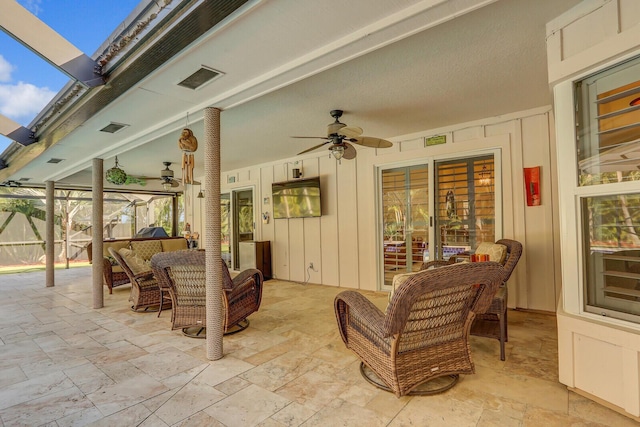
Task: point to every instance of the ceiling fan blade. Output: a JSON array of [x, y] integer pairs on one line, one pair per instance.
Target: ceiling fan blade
[[351, 131], [373, 142], [309, 137], [313, 148], [349, 152]]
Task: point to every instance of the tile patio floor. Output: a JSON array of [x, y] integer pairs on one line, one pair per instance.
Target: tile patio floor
[[63, 363]]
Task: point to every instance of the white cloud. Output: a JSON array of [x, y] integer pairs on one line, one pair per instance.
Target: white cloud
[[22, 101], [32, 6], [5, 70]]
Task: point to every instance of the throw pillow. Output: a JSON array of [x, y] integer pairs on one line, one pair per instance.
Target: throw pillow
[[145, 249], [134, 262], [171, 245], [496, 252]]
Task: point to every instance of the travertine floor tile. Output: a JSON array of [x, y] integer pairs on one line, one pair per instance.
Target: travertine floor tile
[[248, 407], [339, 412], [65, 364]]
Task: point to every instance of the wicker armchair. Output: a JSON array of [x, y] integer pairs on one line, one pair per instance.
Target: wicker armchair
[[183, 273], [493, 323], [424, 333], [145, 293]]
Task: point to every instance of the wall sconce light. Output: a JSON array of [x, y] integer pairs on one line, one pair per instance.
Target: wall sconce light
[[200, 195], [297, 173]]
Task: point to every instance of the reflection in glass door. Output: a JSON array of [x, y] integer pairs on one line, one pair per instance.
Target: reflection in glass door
[[225, 238], [405, 216], [243, 222], [465, 204]]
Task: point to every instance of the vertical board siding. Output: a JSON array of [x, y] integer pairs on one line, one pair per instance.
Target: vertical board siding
[[342, 244], [267, 230], [348, 223], [330, 248], [367, 239], [296, 249], [280, 249], [540, 259], [312, 250]]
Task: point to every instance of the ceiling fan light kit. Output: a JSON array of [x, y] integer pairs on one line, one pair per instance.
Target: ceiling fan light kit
[[342, 136], [337, 152], [166, 175]]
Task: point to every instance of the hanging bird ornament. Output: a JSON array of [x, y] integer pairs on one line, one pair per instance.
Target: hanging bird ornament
[[188, 144]]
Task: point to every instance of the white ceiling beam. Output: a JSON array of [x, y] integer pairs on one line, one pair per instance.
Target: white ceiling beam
[[26, 28]]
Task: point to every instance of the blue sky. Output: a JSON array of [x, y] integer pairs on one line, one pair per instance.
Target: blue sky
[[27, 82]]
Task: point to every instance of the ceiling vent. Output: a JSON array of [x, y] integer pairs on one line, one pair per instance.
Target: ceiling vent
[[54, 160], [201, 77], [113, 127]]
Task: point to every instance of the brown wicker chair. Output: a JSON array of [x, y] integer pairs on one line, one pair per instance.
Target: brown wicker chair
[[493, 323], [423, 334], [145, 293], [183, 274]]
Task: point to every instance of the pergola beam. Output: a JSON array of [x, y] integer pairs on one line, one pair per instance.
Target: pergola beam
[[26, 28], [16, 132]]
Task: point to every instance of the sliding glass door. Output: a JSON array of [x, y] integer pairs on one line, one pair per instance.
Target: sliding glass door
[[465, 204], [405, 219], [434, 210], [225, 228]]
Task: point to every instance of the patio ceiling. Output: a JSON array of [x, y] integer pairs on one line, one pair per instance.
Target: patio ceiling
[[395, 67]]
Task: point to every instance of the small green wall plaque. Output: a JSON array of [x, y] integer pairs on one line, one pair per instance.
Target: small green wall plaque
[[435, 140]]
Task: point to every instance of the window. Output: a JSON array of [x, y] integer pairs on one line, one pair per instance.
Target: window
[[608, 153]]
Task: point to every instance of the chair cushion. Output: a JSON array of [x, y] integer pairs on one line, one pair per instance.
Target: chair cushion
[[145, 249], [496, 252], [116, 245], [135, 262], [171, 245], [398, 280]]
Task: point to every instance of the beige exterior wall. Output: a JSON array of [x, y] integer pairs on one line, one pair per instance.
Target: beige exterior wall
[[598, 356], [342, 244]]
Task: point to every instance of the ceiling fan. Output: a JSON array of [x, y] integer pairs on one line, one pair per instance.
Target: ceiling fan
[[166, 177], [341, 136]]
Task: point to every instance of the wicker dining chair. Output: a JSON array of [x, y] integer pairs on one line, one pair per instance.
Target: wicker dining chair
[[493, 323], [423, 335], [183, 273], [145, 292]]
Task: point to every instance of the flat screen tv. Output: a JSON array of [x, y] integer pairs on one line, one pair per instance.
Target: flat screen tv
[[296, 199]]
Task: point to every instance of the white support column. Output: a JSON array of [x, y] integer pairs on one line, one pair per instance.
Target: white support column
[[97, 271], [215, 309], [49, 234]]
